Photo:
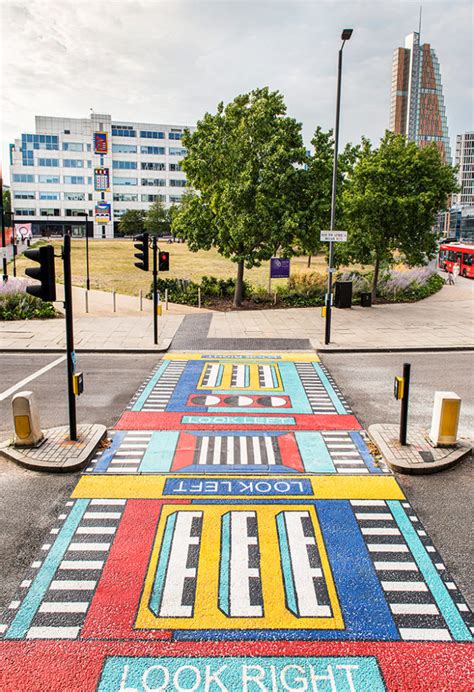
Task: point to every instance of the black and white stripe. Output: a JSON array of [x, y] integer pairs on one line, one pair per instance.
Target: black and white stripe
[[129, 455], [141, 388], [337, 391], [409, 598], [344, 453], [162, 392], [237, 450], [318, 397]]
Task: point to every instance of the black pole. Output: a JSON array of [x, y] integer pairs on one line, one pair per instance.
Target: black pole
[[69, 336], [404, 409], [88, 283], [327, 336], [14, 245], [4, 240], [155, 291]]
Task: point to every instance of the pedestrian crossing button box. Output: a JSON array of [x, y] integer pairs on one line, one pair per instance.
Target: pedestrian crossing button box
[[78, 383], [26, 420], [444, 424], [398, 387]]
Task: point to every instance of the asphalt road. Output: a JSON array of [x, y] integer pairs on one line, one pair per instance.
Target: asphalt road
[[443, 501], [30, 501]]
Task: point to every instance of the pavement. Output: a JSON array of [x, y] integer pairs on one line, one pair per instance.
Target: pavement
[[237, 534], [443, 321]]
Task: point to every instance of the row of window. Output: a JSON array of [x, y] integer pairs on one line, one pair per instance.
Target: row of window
[[69, 196], [51, 179], [118, 131], [50, 211], [154, 182]]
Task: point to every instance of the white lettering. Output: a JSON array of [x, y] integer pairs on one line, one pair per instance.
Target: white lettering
[[282, 486], [286, 684], [180, 488], [197, 679], [164, 682], [329, 676], [348, 669], [214, 677], [262, 487], [257, 677], [123, 681], [211, 487]]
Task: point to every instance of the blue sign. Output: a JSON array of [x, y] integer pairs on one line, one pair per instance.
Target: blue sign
[[237, 486], [279, 268]]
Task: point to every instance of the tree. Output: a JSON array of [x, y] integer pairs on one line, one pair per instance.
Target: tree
[[7, 207], [157, 220], [241, 164], [132, 222], [391, 201]]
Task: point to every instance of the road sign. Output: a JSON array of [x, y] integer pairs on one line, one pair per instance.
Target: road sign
[[334, 236]]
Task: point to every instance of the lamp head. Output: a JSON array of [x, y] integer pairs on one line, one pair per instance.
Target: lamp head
[[346, 34]]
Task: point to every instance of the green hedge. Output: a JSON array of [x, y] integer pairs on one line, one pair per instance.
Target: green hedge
[[22, 306]]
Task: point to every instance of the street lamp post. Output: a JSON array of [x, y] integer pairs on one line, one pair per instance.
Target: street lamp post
[[88, 283], [4, 243], [345, 36]]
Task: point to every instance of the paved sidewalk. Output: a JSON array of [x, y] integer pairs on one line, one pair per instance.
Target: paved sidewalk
[[445, 320]]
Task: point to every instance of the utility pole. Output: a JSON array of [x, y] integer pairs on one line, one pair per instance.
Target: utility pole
[[88, 283], [4, 240], [155, 290], [70, 355]]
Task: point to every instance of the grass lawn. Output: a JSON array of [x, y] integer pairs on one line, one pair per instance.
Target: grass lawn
[[112, 266]]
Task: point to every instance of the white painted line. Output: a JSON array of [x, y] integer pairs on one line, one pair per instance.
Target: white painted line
[[387, 548], [414, 609], [14, 605], [102, 515], [3, 628], [368, 503], [63, 607], [53, 632], [86, 547], [438, 635], [96, 529], [380, 532], [399, 566], [108, 502], [404, 585], [25, 583], [81, 564], [462, 607], [373, 516], [38, 373], [72, 585]]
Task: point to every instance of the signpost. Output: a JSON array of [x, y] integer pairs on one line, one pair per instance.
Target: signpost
[[334, 236], [279, 268], [331, 237]]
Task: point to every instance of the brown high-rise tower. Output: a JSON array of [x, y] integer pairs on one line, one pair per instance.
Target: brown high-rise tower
[[417, 104]]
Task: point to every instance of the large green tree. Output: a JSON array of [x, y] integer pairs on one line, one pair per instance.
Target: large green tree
[[390, 203], [241, 162], [157, 220], [132, 222]]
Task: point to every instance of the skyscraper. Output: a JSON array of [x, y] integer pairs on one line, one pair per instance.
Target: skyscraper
[[417, 103]]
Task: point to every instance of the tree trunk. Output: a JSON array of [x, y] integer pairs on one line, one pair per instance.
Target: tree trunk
[[375, 279], [309, 261], [239, 284]]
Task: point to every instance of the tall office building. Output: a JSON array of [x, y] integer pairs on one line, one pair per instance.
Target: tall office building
[[462, 212], [417, 103], [73, 168]]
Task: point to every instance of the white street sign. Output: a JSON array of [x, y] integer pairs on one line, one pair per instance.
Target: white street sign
[[335, 236]]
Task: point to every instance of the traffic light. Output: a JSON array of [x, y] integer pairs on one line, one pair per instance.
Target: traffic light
[[164, 262], [141, 243], [46, 290]]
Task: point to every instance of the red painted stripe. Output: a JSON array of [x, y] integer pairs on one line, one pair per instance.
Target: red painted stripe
[[184, 454], [289, 451], [114, 606], [34, 666], [149, 420]]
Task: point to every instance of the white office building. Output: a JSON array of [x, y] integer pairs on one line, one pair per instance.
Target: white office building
[[71, 169]]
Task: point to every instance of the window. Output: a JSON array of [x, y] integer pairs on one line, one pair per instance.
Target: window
[[49, 195], [175, 199], [73, 163], [152, 135], [73, 146], [50, 179], [178, 183], [124, 149], [119, 212], [154, 182], [174, 151], [89, 147], [73, 180], [124, 164], [67, 132], [175, 135], [22, 194], [50, 212], [23, 178], [48, 162], [89, 180], [175, 167], [122, 131], [152, 166], [50, 142], [152, 150], [125, 197], [74, 196], [153, 198], [124, 181], [75, 212], [25, 212]]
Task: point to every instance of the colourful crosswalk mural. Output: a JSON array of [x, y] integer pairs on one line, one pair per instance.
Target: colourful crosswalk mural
[[237, 534]]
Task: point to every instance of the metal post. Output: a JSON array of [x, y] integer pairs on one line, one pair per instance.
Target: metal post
[[4, 240], [88, 283], [157, 316], [87, 300], [199, 297], [14, 249], [155, 292], [70, 357], [327, 337], [166, 298], [404, 408], [140, 300], [114, 301]]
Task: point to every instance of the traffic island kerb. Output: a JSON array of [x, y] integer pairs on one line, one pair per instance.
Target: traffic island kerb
[[419, 456], [58, 453]]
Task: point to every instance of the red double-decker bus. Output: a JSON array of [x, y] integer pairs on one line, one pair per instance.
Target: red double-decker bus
[[452, 253]]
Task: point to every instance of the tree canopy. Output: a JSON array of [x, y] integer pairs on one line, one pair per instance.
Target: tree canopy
[[241, 162], [390, 203], [157, 221], [132, 222]]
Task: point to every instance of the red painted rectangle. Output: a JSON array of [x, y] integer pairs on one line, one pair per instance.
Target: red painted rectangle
[[184, 454], [290, 454]]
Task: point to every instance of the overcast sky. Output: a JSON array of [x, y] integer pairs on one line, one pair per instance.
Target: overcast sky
[[171, 61]]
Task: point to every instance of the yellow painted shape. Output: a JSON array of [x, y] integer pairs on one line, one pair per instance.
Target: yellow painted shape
[[22, 427], [324, 487], [263, 358], [206, 611], [253, 384], [449, 417]]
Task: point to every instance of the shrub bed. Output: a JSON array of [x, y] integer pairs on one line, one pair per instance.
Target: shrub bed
[[22, 306]]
